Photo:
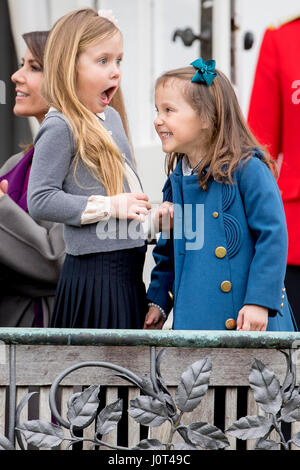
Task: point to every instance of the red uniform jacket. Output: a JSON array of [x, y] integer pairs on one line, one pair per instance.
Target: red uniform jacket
[[274, 117]]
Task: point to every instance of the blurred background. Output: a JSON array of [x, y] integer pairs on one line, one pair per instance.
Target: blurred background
[[158, 35]]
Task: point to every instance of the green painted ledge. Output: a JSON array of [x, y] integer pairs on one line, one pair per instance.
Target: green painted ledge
[[164, 338]]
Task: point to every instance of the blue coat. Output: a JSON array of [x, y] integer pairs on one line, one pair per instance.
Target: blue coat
[[231, 252]]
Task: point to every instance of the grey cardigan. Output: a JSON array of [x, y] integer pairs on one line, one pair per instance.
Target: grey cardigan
[[31, 257], [54, 194]]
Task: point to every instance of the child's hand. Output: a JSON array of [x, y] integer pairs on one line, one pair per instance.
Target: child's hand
[[163, 218], [252, 318], [130, 206], [3, 187], [154, 319]]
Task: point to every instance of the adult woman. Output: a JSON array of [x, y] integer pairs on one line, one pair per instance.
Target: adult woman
[[31, 251]]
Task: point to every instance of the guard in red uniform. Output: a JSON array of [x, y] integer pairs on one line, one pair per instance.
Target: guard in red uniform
[[274, 118]]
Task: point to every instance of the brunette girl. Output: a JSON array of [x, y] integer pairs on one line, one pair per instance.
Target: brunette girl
[[223, 266]]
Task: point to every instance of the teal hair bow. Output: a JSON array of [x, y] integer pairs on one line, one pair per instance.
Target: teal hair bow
[[205, 71]]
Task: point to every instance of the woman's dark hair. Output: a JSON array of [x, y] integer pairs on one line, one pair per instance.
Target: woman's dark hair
[[36, 42]]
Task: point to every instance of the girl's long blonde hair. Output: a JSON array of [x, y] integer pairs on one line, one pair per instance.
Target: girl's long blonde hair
[[230, 139], [69, 37]]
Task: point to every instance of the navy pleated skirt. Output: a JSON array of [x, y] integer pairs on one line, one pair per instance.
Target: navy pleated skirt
[[101, 290]]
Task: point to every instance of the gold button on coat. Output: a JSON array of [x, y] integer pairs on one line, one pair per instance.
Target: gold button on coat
[[281, 305], [220, 252], [215, 214], [230, 324], [171, 295], [226, 286]]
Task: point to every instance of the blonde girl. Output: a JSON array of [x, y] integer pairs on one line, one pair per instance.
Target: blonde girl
[[84, 176], [223, 266]]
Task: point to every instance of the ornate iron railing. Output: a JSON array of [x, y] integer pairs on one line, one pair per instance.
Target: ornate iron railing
[[156, 406]]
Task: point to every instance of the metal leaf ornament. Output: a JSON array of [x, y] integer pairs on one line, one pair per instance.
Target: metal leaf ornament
[[152, 409], [266, 387], [291, 410], [42, 434], [205, 71], [83, 408], [251, 427], [109, 417], [148, 444], [148, 411], [266, 444], [193, 385], [279, 403], [207, 436]]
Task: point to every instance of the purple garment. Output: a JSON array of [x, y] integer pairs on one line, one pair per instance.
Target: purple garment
[[17, 179]]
